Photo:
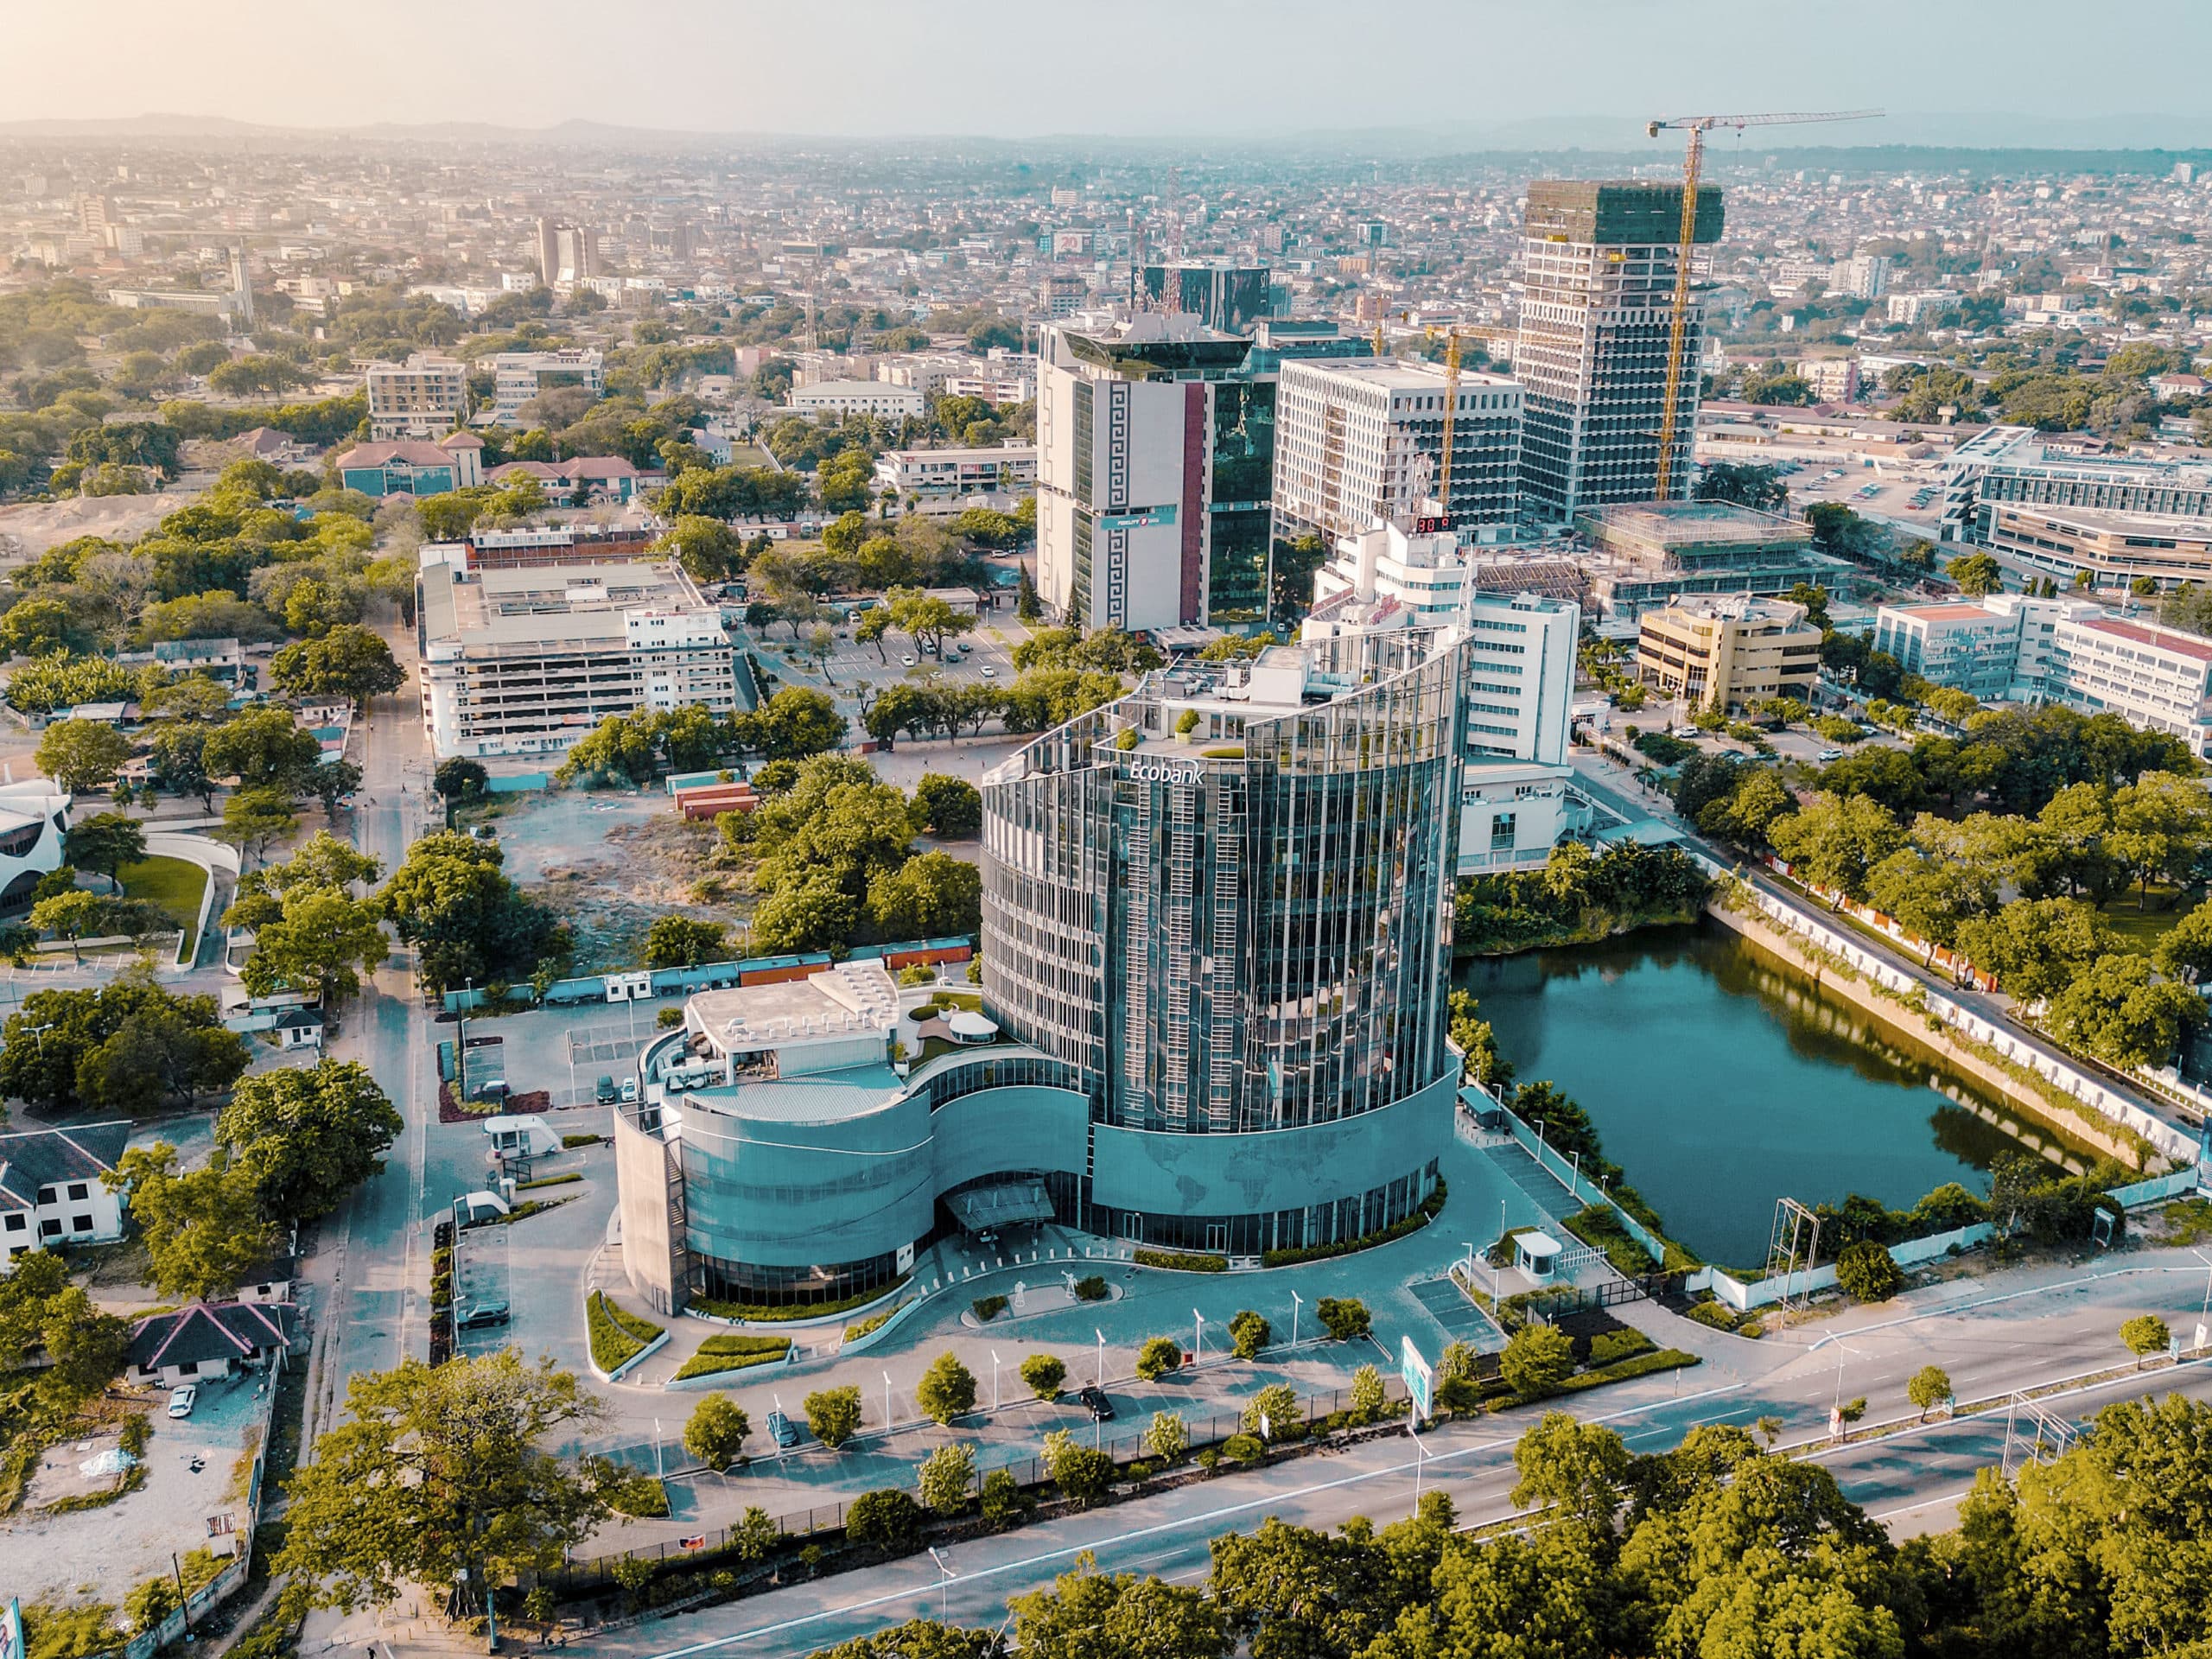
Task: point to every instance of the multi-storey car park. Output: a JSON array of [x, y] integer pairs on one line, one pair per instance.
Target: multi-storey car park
[[1216, 968], [527, 660]]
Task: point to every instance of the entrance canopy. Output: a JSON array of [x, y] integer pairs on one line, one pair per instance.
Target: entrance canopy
[[1009, 1203]]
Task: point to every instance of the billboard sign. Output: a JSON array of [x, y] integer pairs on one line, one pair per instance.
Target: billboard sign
[[1420, 1379]]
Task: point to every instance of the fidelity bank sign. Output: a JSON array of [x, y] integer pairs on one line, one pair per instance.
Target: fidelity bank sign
[[1162, 771]]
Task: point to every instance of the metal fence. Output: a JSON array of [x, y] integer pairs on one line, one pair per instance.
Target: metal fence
[[816, 1522]]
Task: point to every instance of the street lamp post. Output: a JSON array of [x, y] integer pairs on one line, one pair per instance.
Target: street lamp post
[[1100, 1335], [1420, 1456], [1296, 1303], [1198, 1352], [995, 1379], [945, 1575], [887, 1402]]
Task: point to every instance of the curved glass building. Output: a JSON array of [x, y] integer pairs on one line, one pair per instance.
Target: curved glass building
[[1216, 959]]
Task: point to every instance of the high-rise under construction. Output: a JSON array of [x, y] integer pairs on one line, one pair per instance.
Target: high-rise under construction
[[1598, 268]]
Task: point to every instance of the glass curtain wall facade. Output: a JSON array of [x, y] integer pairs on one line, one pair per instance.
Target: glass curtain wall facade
[[1252, 936]]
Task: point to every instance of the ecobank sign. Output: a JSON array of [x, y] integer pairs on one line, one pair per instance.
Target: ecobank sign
[[1162, 771]]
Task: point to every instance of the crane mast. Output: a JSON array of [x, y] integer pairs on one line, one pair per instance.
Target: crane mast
[[1679, 315]]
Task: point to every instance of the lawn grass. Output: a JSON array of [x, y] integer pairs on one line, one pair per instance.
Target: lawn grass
[[176, 886], [2140, 929]]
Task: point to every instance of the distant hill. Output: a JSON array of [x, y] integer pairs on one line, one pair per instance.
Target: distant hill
[[1612, 135]]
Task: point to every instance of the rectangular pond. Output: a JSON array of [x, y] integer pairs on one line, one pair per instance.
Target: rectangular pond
[[1720, 1078]]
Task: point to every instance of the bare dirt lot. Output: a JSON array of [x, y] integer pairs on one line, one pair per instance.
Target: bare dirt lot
[[609, 863], [28, 528]]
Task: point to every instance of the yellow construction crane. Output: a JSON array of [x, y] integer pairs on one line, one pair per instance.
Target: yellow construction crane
[[1453, 338], [1693, 167]]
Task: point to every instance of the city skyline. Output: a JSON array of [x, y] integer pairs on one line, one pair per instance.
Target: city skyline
[[751, 72]]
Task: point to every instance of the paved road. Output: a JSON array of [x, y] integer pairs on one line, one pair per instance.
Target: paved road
[[1910, 1478], [2036, 1326]]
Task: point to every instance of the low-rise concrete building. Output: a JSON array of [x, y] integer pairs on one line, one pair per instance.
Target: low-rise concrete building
[[518, 377], [526, 661], [954, 475], [412, 466], [1649, 553], [51, 1193], [1730, 653], [858, 397], [424, 398]]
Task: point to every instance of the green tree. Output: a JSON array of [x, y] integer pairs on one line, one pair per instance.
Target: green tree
[[1273, 1413], [1082, 1473], [82, 755], [812, 914], [460, 780], [434, 1475], [1835, 842], [947, 1388], [2037, 947], [715, 1432], [834, 1414], [1745, 484], [927, 619], [1975, 574], [305, 1139], [1168, 1437], [1577, 1468], [1085, 1613], [349, 661], [253, 818], [1249, 1332], [179, 759], [1342, 1317], [1868, 1272], [128, 1047], [931, 895], [2144, 1335], [951, 809], [1536, 1360], [203, 1228], [796, 722], [104, 843], [947, 1478], [1368, 1398], [320, 937], [263, 749], [450, 899], [78, 915], [684, 942], [1045, 1374], [1928, 1388], [2119, 1011], [888, 1520], [1159, 1355]]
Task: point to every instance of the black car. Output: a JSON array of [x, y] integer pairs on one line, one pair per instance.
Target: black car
[[484, 1315], [1101, 1408], [782, 1430]]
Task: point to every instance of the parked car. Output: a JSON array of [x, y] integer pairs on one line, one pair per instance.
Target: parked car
[[629, 1089], [484, 1315], [605, 1093], [1093, 1396], [181, 1400], [988, 673], [906, 662], [782, 1430], [1828, 756]]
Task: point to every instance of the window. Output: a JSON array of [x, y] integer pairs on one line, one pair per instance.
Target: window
[[50, 1228], [46, 1195], [79, 1190], [1503, 830], [80, 1223], [17, 1221]]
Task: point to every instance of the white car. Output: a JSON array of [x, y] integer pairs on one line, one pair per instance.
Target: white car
[[181, 1400], [906, 662], [1829, 756], [988, 672]]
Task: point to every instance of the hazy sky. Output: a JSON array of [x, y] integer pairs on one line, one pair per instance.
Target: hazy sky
[[1019, 68]]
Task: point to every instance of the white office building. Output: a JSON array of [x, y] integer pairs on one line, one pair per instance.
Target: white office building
[[424, 398], [518, 377], [841, 398], [1517, 798], [1359, 443], [955, 478], [2012, 647], [526, 661]]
